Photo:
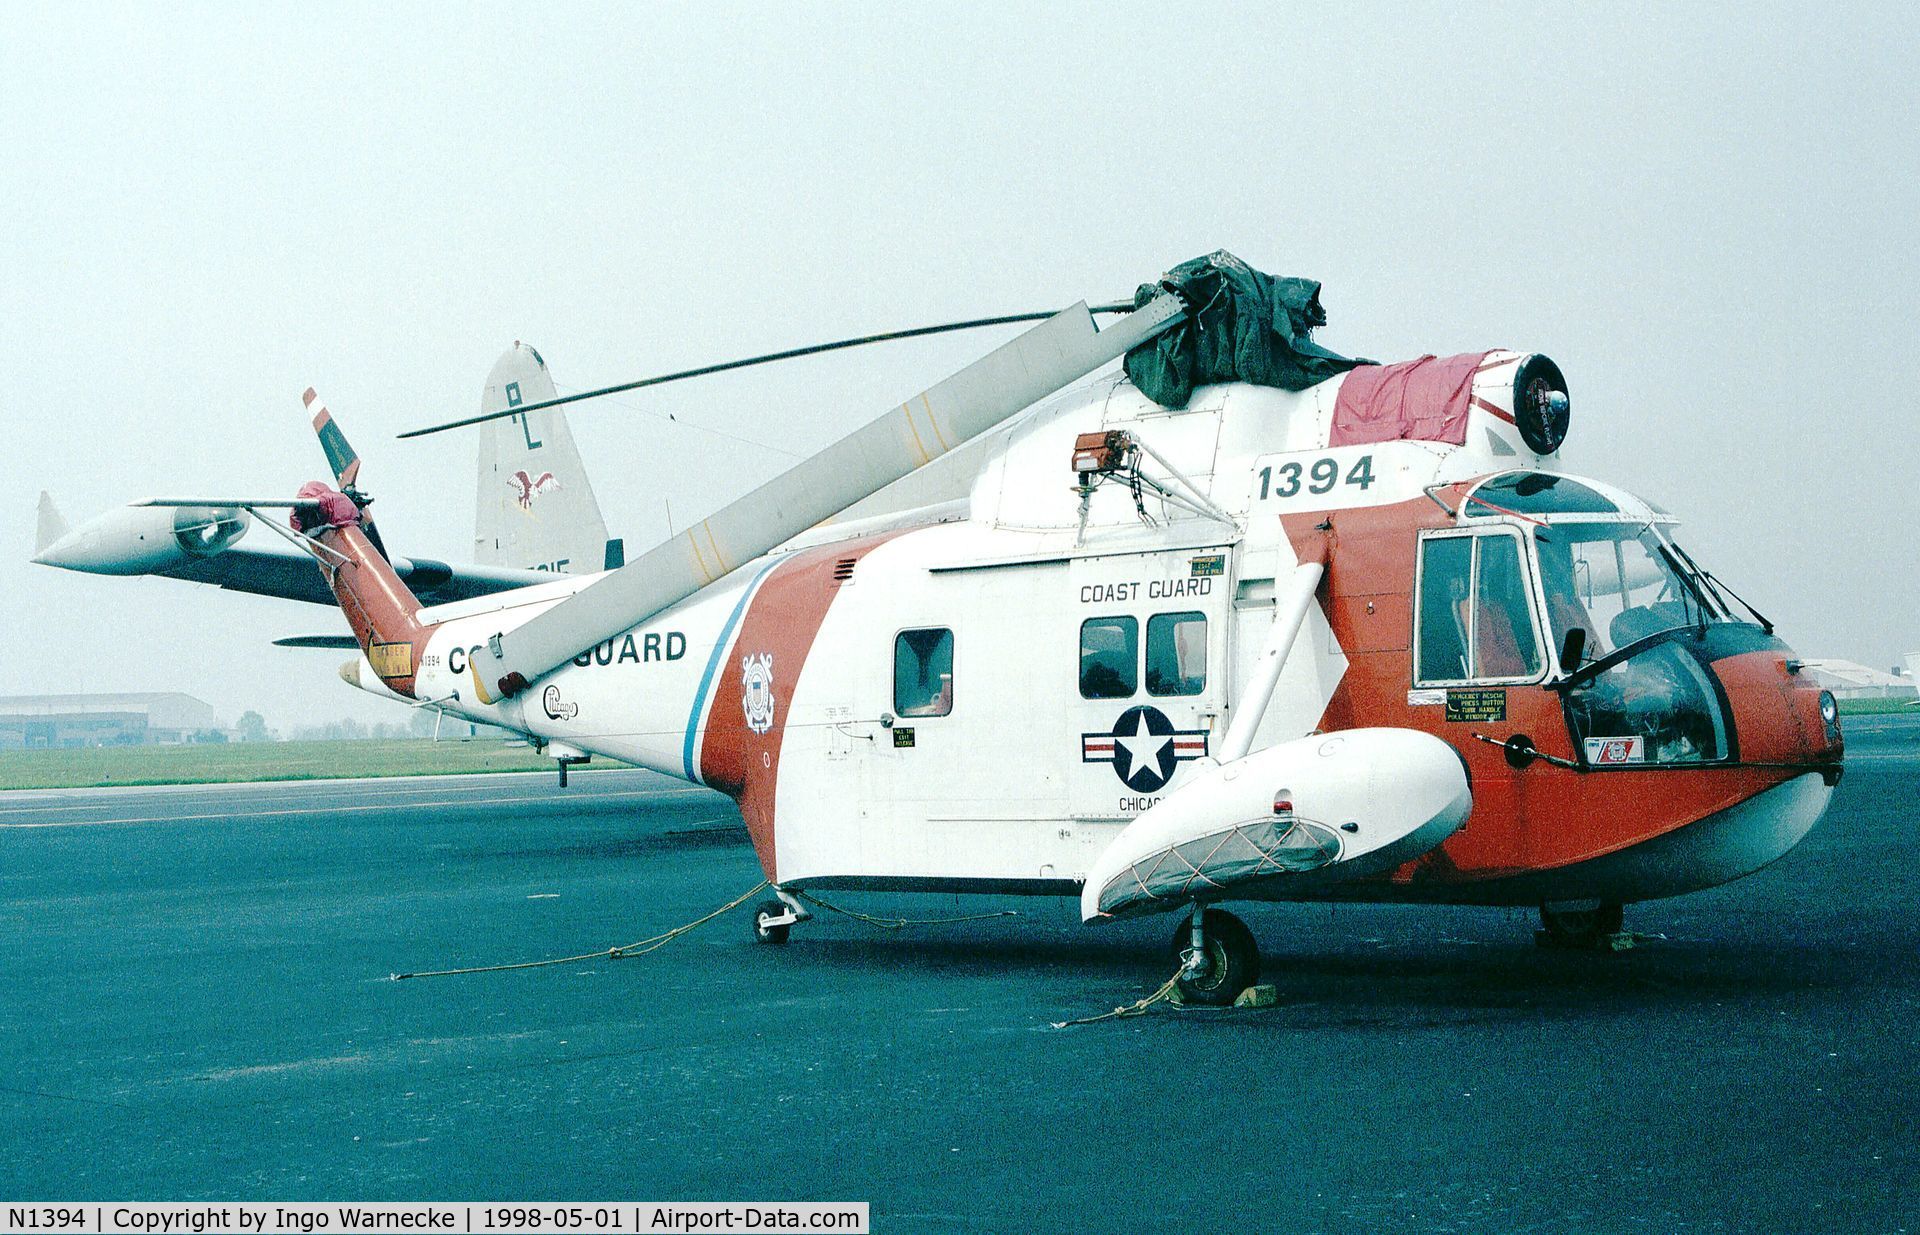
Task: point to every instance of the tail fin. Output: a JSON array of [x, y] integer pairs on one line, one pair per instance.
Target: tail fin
[[50, 527], [534, 508], [379, 608]]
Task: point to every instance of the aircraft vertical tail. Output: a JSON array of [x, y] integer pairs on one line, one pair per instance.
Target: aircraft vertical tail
[[50, 526], [535, 508]]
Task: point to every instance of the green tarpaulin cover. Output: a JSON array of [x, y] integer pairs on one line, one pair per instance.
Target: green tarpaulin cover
[[1243, 326]]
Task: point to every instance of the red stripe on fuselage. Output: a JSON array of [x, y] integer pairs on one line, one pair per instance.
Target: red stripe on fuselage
[[1485, 406], [781, 621]]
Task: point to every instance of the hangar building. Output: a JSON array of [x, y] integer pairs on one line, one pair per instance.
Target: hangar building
[[1850, 680], [40, 722]]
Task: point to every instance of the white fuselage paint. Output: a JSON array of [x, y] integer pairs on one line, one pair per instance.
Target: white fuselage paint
[[998, 790]]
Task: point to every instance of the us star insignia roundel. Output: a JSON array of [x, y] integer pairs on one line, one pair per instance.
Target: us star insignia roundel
[[1144, 748]]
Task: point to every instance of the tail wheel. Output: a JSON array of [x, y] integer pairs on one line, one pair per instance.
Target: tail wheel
[[1229, 960], [1581, 928], [767, 924]]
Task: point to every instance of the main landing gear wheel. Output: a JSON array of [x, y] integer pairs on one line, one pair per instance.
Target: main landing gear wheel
[[772, 920], [1585, 928], [1226, 962]]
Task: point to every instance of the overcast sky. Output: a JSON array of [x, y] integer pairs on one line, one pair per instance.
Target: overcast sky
[[1704, 213]]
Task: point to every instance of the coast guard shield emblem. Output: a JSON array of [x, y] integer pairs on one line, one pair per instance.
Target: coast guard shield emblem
[[756, 678]]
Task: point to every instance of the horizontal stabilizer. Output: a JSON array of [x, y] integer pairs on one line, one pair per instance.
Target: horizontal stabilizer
[[339, 643]]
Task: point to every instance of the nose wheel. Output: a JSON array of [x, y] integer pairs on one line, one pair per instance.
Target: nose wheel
[[1218, 957], [773, 920], [1592, 927]]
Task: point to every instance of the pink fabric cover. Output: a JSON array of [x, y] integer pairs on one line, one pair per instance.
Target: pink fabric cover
[[1424, 400], [336, 508]]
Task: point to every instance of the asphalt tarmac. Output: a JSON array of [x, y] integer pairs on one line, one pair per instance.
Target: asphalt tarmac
[[195, 1004]]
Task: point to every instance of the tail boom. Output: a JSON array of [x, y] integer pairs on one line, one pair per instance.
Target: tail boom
[[380, 609]]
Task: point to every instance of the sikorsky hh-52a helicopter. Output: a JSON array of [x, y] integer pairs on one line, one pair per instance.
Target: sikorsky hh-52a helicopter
[[1246, 621]]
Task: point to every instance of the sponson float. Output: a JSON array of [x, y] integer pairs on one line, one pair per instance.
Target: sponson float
[[1248, 620]]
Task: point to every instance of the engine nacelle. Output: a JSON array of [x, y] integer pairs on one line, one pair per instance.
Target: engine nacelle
[[144, 540], [1290, 817]]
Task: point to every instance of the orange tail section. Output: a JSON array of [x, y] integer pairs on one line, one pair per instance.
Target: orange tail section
[[382, 611]]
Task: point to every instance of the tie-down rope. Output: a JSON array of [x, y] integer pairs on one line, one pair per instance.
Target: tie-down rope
[[644, 946], [894, 924], [641, 948], [1165, 993]]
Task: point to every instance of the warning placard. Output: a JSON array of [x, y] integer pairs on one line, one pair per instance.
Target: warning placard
[[1477, 704], [391, 660]]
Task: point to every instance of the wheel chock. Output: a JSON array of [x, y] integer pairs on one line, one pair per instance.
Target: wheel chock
[[1617, 941]]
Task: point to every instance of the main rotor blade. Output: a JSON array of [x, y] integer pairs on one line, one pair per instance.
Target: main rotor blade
[[790, 354], [1063, 349]]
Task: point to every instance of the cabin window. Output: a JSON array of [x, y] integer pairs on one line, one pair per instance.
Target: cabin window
[[1109, 654], [923, 672], [1176, 653], [1474, 619]]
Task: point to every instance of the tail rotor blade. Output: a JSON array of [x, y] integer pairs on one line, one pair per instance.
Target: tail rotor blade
[[341, 456], [345, 462]]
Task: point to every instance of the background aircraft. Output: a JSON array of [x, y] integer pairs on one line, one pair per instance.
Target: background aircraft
[[534, 514]]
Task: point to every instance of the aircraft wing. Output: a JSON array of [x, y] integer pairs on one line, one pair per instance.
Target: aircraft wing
[[291, 576], [196, 543]]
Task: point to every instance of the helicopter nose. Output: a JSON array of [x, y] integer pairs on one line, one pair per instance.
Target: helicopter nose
[[1781, 715], [1737, 840]]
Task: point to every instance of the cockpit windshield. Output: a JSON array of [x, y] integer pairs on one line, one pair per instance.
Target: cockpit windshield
[[1620, 583]]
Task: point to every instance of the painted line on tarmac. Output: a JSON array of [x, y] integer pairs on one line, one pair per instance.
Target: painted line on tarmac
[[304, 784], [41, 800], [326, 810]]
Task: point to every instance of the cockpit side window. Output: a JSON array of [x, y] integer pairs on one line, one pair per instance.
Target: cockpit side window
[[1474, 619], [1446, 571], [1503, 642]]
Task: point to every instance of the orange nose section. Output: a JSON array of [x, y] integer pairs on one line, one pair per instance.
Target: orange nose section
[[1781, 716]]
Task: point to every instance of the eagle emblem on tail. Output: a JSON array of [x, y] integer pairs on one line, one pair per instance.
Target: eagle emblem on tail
[[527, 487]]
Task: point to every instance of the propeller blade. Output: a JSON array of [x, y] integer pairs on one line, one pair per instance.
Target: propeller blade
[[1061, 350], [791, 353]]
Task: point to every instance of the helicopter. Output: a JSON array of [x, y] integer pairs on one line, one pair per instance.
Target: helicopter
[[1243, 621]]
